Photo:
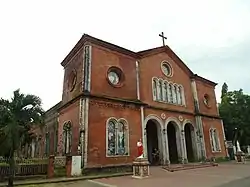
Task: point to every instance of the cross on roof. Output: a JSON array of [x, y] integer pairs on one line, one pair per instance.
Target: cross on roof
[[163, 38]]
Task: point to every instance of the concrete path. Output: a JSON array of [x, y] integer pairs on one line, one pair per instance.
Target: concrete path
[[236, 174], [225, 175]]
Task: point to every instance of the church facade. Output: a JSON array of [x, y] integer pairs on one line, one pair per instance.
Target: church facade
[[113, 97]]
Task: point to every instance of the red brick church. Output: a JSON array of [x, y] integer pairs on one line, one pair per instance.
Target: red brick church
[[112, 97]]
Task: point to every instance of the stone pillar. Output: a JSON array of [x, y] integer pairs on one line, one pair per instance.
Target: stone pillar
[[140, 168], [184, 159], [68, 166], [50, 171]]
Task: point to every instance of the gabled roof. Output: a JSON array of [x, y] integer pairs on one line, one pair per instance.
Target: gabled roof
[[170, 53], [136, 55], [91, 39]]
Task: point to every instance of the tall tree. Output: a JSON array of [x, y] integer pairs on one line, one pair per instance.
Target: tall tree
[[224, 90], [234, 109], [17, 116]]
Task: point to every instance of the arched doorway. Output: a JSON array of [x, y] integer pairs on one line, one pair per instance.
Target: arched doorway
[[189, 130], [172, 143], [152, 131]]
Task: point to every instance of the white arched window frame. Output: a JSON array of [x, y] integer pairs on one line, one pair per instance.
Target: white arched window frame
[[160, 88], [214, 140], [178, 95], [154, 88], [173, 93], [170, 93], [165, 91], [67, 137], [117, 137], [182, 94]]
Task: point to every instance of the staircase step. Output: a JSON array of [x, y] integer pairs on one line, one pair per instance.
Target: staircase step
[[181, 167]]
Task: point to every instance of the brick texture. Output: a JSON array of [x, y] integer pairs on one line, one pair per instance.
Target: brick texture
[[101, 60]]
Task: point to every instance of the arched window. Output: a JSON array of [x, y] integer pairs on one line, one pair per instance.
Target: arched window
[[170, 93], [160, 90], [154, 89], [178, 95], [214, 139], [174, 94], [67, 137], [117, 137], [165, 91], [182, 96]]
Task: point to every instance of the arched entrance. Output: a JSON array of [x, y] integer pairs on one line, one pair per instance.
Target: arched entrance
[[172, 143], [189, 133], [153, 148]]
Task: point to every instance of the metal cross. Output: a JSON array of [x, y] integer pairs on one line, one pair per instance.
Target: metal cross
[[163, 38]]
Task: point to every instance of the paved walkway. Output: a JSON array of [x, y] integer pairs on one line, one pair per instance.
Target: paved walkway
[[225, 175], [205, 177]]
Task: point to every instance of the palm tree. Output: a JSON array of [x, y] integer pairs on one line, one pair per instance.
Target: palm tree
[[17, 116]]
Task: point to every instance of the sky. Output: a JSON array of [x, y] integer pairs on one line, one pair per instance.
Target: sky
[[211, 36]]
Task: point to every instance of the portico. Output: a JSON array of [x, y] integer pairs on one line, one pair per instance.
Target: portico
[[174, 140]]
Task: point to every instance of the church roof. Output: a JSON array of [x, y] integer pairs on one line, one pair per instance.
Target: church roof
[[137, 55]]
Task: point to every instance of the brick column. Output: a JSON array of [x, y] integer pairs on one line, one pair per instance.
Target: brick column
[[68, 166], [50, 171]]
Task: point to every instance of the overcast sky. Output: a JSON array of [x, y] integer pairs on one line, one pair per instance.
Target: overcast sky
[[211, 36]]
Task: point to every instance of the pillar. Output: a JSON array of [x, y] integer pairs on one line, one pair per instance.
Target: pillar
[[68, 166], [51, 168]]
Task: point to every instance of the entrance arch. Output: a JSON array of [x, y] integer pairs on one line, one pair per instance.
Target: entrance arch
[[173, 148], [154, 147], [190, 141]]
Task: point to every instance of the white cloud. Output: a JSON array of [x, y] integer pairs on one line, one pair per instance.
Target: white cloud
[[35, 36]]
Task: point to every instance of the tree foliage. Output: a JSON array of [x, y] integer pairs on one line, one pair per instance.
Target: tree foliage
[[17, 117], [235, 109]]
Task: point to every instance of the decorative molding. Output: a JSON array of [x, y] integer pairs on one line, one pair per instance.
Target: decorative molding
[[154, 117], [118, 106], [87, 67], [165, 91], [101, 97], [180, 118], [137, 80], [165, 62], [170, 110], [163, 116], [118, 71], [214, 136], [86, 113], [126, 142], [175, 120]]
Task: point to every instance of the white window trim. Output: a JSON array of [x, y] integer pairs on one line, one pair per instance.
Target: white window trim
[[174, 93], [125, 122], [67, 138], [212, 133], [155, 96]]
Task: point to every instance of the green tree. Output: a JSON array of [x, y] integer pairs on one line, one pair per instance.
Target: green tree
[[235, 109], [17, 116]]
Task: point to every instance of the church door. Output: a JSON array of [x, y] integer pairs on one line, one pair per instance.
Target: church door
[[152, 143], [172, 145], [189, 144]]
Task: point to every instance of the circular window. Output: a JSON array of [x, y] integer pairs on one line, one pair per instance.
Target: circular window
[[115, 76], [72, 80], [206, 100], [166, 69]]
